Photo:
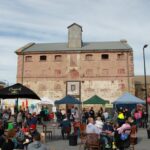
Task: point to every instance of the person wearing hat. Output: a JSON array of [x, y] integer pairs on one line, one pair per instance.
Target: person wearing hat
[[33, 131]]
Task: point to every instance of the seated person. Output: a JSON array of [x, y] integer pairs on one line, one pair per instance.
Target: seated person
[[91, 128], [99, 124], [36, 144], [65, 127], [123, 133], [32, 132], [107, 134], [25, 128], [8, 143]]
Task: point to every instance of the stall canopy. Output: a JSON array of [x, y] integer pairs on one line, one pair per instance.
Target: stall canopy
[[68, 100], [46, 101], [96, 100], [128, 98]]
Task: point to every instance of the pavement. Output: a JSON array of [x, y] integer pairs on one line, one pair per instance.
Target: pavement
[[57, 143]]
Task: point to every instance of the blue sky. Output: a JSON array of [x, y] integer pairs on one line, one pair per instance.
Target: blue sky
[[42, 21]]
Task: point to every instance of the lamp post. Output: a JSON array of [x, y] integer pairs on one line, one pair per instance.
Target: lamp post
[[145, 79]]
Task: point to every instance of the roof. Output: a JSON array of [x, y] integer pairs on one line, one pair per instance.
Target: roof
[[87, 46], [75, 25], [128, 98], [140, 79], [95, 100]]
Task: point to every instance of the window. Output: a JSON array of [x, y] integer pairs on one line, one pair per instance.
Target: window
[[43, 58], [121, 71], [57, 72], [28, 58], [104, 56], [73, 87], [58, 58], [120, 56], [88, 57]]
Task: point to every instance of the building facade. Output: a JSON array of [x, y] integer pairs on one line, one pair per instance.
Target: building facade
[[76, 67], [140, 86]]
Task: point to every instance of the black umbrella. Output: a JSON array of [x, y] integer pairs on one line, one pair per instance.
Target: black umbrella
[[68, 100], [17, 91]]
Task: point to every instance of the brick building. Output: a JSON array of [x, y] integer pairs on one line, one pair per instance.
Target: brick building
[[76, 67], [140, 86]]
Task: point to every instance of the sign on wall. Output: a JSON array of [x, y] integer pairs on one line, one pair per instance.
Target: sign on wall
[[73, 87]]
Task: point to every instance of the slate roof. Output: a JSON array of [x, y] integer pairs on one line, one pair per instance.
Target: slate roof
[[87, 46]]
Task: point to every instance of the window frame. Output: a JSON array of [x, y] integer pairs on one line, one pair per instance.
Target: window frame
[[43, 59], [28, 58], [103, 57], [56, 59], [88, 57]]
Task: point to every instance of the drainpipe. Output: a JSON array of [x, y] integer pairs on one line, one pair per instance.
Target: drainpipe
[[128, 72], [22, 67]]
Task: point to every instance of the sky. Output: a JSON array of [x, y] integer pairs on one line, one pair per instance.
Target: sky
[[46, 21]]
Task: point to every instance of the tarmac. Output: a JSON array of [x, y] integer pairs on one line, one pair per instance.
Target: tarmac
[[57, 143]]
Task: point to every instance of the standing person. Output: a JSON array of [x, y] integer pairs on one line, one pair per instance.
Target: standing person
[[58, 115], [63, 113], [76, 114], [92, 113], [85, 116], [36, 144], [120, 118], [19, 119], [106, 115], [65, 127]]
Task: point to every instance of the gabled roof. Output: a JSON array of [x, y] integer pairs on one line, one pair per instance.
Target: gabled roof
[[87, 46], [76, 25]]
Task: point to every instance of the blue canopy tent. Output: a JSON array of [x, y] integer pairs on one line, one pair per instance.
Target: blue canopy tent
[[68, 100], [128, 100]]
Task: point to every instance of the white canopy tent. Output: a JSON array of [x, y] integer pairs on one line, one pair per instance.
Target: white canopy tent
[[46, 101]]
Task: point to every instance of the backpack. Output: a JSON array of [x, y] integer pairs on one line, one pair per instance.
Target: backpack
[[124, 136]]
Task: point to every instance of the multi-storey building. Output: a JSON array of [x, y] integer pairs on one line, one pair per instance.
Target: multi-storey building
[[87, 68]]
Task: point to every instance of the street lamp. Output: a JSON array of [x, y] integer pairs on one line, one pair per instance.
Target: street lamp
[[145, 79]]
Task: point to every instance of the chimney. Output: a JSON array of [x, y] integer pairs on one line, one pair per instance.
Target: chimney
[[74, 36]]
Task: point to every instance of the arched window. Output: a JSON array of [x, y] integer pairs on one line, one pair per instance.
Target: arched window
[[88, 57], [58, 58]]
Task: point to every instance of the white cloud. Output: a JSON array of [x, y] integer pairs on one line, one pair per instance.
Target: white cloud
[[24, 21]]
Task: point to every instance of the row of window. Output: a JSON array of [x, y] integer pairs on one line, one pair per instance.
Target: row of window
[[88, 57]]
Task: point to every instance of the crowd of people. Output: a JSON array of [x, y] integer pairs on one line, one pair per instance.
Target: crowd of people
[[113, 130], [20, 131]]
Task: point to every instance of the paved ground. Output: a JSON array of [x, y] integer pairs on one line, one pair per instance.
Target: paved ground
[[58, 144]]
